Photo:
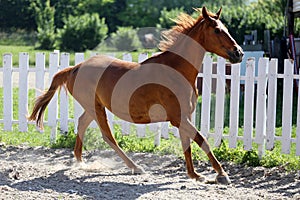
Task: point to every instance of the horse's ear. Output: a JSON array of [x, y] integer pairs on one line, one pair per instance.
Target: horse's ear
[[219, 13], [204, 12]]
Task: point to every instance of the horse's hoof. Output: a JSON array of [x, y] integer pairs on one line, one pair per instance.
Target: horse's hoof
[[138, 170], [197, 177], [80, 164], [223, 179], [200, 178]]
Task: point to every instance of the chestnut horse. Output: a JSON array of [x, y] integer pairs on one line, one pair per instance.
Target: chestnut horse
[[162, 88]]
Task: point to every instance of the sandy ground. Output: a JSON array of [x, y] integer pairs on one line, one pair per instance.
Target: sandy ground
[[42, 173]]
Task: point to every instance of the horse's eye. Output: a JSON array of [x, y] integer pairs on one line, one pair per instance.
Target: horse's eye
[[217, 30]]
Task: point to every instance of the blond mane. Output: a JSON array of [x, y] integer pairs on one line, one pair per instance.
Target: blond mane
[[184, 23]]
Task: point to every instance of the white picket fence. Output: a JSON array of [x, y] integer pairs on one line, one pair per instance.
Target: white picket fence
[[262, 134]]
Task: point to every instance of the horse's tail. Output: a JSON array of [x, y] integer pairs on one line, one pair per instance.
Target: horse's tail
[[42, 101]]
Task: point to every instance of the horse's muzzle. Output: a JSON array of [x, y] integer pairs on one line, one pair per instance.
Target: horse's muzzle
[[236, 56]]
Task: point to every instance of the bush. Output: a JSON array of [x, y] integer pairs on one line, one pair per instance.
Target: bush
[[46, 36], [167, 16], [45, 23], [82, 32], [125, 39]]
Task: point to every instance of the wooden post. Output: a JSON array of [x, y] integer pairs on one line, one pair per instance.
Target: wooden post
[[23, 90], [261, 105], [249, 103], [234, 104], [64, 114], [39, 73], [7, 92], [78, 110], [271, 111], [52, 116], [220, 99], [206, 96], [287, 106]]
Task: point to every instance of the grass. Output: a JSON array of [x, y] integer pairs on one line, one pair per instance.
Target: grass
[[131, 143], [30, 138], [18, 37]]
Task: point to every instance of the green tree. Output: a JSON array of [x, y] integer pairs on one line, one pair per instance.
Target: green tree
[[66, 8], [16, 14], [141, 13], [260, 16], [166, 16], [230, 3], [109, 9], [82, 32], [45, 23]]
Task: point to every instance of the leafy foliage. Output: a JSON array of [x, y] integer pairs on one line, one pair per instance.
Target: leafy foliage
[[81, 33], [45, 23], [240, 16], [66, 8], [166, 16], [260, 16], [17, 14], [125, 39], [65, 140]]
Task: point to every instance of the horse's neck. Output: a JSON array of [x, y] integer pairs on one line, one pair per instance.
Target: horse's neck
[[187, 59], [186, 56]]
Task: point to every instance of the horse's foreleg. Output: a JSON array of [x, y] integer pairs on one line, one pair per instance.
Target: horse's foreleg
[[190, 131], [108, 137], [83, 122], [185, 141]]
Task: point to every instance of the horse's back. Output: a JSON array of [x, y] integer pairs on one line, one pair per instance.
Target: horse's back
[[102, 61]]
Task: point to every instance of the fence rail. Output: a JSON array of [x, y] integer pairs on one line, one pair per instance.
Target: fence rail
[[260, 98]]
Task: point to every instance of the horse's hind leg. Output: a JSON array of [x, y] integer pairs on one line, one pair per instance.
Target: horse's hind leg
[[108, 137], [83, 122]]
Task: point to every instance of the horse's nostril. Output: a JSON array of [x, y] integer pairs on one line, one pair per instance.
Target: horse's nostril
[[237, 54]]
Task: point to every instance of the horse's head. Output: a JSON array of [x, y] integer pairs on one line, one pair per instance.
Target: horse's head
[[215, 37]]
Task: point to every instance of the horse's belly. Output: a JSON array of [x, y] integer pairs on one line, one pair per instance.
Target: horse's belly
[[156, 113]]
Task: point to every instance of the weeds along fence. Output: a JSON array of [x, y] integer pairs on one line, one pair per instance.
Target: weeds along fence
[[259, 99]]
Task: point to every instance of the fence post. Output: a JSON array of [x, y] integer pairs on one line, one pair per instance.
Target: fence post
[[23, 91], [298, 123], [39, 73], [7, 92], [142, 57], [287, 106], [165, 130], [64, 115], [234, 104], [248, 103], [52, 115], [78, 110], [220, 97], [206, 96], [124, 124], [271, 110], [261, 105], [127, 57]]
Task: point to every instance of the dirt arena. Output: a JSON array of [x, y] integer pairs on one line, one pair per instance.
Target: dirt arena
[[43, 173]]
